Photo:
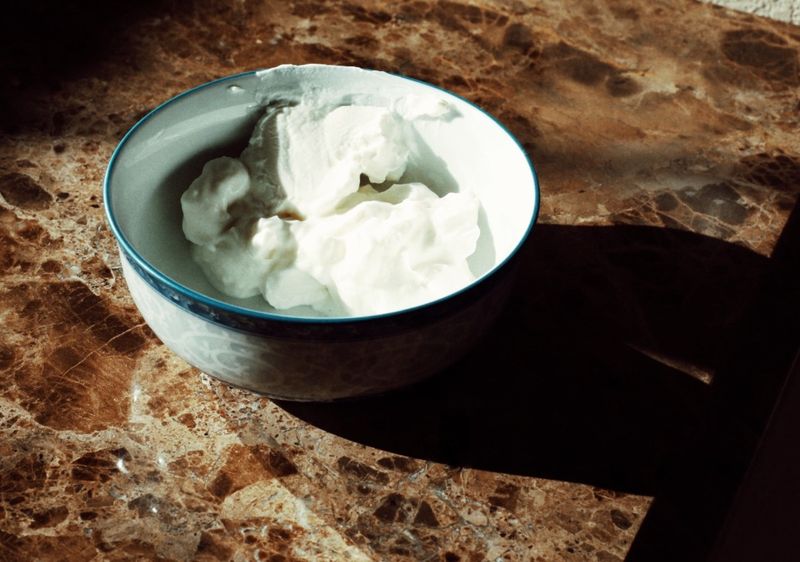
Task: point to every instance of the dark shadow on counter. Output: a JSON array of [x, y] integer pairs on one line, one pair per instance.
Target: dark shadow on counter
[[561, 387], [45, 43]]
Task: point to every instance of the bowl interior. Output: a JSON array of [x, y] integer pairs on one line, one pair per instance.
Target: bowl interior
[[161, 156]]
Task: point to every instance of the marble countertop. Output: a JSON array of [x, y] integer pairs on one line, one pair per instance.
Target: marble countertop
[[665, 136]]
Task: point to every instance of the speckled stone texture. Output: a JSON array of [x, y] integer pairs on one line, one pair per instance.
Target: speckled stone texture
[[785, 10], [665, 136]]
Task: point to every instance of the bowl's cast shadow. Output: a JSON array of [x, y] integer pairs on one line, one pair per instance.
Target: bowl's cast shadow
[[561, 387]]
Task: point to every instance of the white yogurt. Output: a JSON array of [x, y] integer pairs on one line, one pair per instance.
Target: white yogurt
[[313, 214]]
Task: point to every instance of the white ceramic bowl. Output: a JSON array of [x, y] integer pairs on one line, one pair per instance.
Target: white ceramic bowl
[[245, 342]]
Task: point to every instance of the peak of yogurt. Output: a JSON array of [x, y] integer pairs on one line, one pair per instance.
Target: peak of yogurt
[[315, 157], [315, 214]]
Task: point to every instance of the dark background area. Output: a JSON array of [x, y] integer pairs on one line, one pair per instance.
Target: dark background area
[[47, 41], [43, 43]]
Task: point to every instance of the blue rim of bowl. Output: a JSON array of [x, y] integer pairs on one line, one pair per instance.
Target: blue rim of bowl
[[142, 266]]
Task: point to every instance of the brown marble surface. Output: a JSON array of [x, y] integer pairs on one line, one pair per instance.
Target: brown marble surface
[[665, 136]]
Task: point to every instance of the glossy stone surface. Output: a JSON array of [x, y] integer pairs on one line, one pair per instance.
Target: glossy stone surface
[[664, 134]]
